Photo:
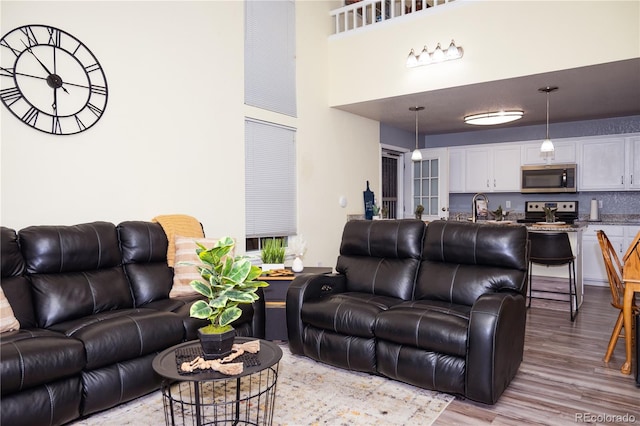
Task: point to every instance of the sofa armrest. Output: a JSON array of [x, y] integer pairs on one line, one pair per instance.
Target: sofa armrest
[[308, 287], [496, 344]]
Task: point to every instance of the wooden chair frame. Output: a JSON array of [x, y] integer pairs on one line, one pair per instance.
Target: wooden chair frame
[[614, 272]]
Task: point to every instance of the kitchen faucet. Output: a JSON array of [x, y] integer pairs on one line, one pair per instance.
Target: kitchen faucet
[[474, 206]]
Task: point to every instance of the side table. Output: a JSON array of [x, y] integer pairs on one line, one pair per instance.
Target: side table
[[209, 397], [275, 297]]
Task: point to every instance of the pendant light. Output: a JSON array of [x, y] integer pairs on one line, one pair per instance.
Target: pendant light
[[547, 145], [416, 155]]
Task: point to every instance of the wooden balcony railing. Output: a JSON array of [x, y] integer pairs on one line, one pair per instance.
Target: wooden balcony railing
[[357, 14]]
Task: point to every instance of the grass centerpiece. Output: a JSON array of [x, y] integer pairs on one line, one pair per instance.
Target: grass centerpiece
[[227, 282], [272, 254]]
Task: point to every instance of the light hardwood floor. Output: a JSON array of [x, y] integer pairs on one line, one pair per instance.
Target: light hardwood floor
[[562, 379]]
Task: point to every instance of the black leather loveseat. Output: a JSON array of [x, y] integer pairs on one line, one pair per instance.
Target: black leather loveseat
[[440, 306], [93, 306]]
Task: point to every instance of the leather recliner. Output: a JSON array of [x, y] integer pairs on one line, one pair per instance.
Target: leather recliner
[[440, 306], [93, 306]]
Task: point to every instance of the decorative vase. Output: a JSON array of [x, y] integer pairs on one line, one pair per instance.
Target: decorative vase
[[216, 345], [297, 265]]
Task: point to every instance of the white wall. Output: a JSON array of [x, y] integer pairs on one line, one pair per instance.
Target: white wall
[[517, 38], [172, 136]]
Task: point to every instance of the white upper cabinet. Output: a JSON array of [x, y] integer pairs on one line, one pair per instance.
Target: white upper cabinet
[[564, 152], [609, 163], [457, 169], [493, 168], [633, 166]]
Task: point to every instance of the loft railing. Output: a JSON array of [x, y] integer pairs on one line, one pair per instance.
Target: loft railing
[[357, 14]]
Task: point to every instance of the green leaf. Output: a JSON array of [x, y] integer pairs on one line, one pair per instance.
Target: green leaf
[[254, 273], [219, 302], [201, 288], [239, 271], [230, 315], [241, 296], [200, 310]]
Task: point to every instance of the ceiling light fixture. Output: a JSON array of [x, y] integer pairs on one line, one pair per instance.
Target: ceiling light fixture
[[547, 144], [492, 118], [416, 155], [437, 56]]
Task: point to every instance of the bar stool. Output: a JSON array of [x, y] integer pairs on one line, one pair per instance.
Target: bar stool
[[553, 249]]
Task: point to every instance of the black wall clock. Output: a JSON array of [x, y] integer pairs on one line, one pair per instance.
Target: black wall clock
[[50, 80]]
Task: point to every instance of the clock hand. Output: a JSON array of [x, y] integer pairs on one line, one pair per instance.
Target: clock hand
[[10, 73], [34, 55], [53, 80]]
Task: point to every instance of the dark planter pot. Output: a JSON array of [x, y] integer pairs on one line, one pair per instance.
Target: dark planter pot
[[216, 346]]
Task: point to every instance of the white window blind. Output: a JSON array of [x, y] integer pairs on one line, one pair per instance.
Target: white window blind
[[270, 179], [270, 72]]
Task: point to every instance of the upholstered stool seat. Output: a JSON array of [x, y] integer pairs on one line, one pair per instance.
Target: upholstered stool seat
[[553, 249]]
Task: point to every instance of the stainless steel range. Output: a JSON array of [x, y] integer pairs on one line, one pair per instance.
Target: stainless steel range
[[534, 211]]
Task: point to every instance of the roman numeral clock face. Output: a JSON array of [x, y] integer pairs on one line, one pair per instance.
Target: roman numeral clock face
[[50, 80]]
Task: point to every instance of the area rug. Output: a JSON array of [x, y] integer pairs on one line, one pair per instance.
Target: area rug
[[312, 393]]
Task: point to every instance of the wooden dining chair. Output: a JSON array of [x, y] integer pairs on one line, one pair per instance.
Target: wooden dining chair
[[614, 273]]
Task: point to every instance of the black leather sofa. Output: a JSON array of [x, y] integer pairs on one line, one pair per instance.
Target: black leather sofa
[[441, 306], [93, 306]]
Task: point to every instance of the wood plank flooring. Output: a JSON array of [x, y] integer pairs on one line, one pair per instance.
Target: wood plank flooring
[[562, 379]]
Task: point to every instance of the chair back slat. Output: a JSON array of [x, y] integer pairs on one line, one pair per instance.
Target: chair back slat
[[614, 269]]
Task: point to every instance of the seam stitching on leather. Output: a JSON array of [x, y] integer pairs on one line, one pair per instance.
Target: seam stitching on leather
[[49, 393]]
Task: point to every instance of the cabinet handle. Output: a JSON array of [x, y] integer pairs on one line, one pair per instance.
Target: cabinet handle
[[622, 179], [494, 183], [487, 183], [632, 179]]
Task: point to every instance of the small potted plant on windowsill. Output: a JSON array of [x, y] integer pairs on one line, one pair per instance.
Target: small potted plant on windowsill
[[227, 282], [419, 211], [272, 254]]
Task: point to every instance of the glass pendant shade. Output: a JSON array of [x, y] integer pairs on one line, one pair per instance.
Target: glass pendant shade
[[416, 155], [412, 60], [438, 54], [453, 52], [425, 57], [547, 146]]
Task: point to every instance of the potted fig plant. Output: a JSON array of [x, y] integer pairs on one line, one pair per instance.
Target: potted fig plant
[[227, 282]]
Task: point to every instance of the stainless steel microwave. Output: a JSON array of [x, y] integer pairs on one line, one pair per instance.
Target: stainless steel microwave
[[549, 178]]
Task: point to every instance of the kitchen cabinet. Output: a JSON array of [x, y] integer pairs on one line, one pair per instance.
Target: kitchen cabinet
[[609, 164], [564, 152], [493, 168], [457, 169], [619, 235], [633, 166]]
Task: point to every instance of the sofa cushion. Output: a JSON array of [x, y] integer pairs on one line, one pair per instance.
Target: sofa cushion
[[144, 256], [463, 261], [75, 271], [116, 336], [347, 313], [183, 272], [15, 285], [432, 326], [381, 257], [34, 357]]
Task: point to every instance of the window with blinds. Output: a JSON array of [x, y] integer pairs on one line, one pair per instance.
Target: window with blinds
[[270, 71], [270, 180]]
